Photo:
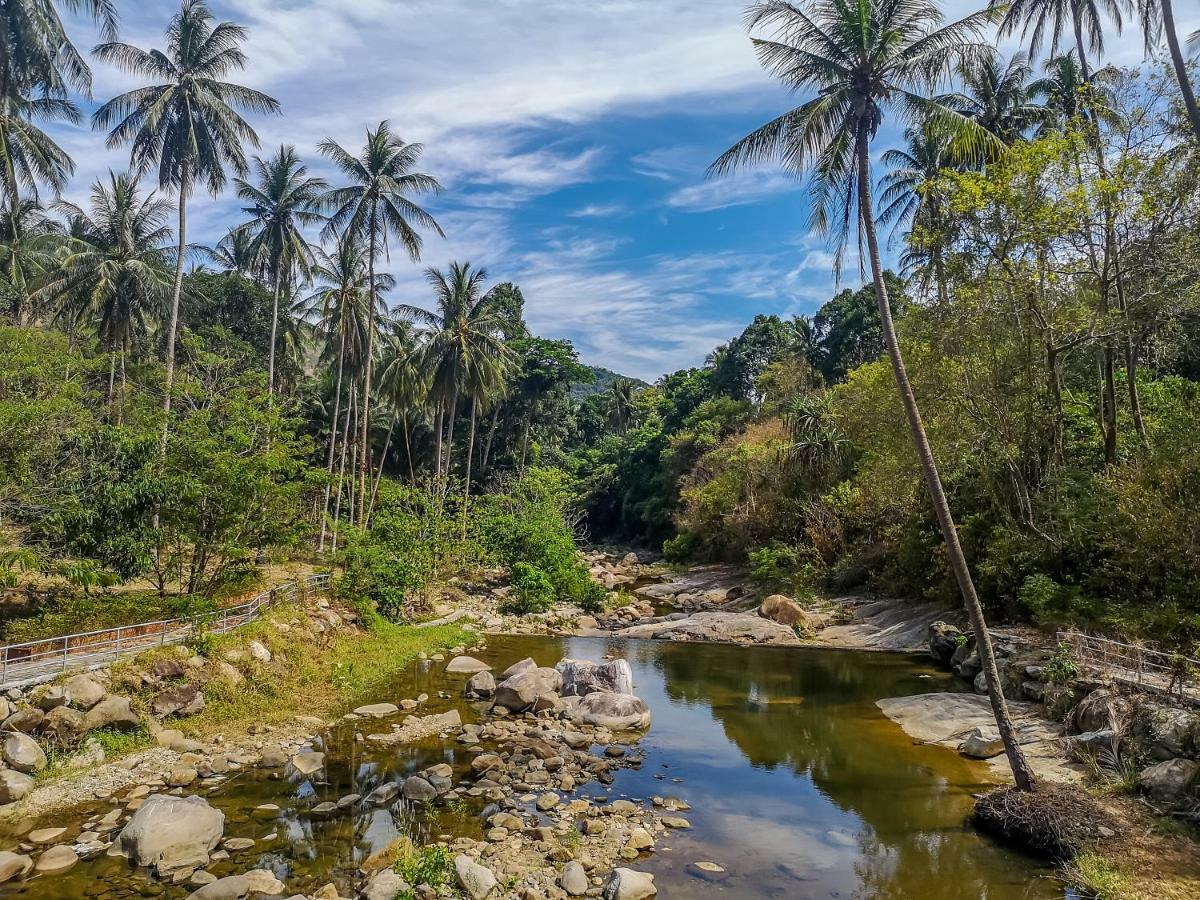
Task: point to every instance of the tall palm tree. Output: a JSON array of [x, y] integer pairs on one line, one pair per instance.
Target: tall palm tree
[[1158, 22], [233, 252], [29, 156], [281, 203], [116, 268], [375, 205], [403, 386], [28, 239], [862, 59], [621, 408], [186, 123], [1050, 22], [465, 354], [1061, 93], [996, 94]]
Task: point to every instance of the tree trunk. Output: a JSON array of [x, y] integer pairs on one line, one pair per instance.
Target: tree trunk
[[274, 330], [112, 377], [1181, 72], [437, 452], [364, 458], [173, 322], [337, 402], [467, 477], [337, 504], [487, 445], [452, 413], [1022, 774], [387, 445]]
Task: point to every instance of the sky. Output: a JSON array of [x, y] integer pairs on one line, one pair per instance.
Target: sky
[[572, 140]]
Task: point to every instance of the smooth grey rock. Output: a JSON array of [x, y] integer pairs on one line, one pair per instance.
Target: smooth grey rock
[[476, 880], [466, 665], [481, 685], [385, 885], [628, 884], [14, 785], [1171, 783], [13, 865], [23, 753], [111, 712], [583, 676], [418, 790], [617, 712], [85, 691], [574, 879], [518, 668], [981, 744], [519, 692], [171, 833]]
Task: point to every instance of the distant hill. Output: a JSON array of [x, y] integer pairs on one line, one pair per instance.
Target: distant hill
[[604, 379]]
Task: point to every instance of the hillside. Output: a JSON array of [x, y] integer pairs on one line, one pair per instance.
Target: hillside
[[604, 379]]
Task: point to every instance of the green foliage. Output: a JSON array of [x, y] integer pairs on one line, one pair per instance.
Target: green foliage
[[682, 547], [432, 865], [121, 743], [532, 591], [1061, 668]]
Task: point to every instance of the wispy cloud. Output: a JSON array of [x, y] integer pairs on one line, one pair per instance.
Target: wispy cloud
[[597, 211], [732, 190]]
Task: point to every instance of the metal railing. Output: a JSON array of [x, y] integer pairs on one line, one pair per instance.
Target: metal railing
[[1169, 673], [34, 660]]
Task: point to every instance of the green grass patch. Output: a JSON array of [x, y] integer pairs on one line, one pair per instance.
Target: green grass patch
[[1095, 877]]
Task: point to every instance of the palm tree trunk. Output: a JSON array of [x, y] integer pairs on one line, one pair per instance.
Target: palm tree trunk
[[452, 413], [274, 328], [438, 445], [1022, 774], [487, 446], [364, 450], [387, 445], [467, 478], [412, 476], [124, 387], [337, 504], [337, 402], [112, 375], [173, 322], [352, 494], [1181, 72]]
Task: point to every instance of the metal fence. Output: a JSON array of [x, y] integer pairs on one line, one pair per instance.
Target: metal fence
[[1144, 667], [35, 660]]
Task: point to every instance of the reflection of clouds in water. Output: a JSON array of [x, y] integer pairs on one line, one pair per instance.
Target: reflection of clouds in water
[[378, 829]]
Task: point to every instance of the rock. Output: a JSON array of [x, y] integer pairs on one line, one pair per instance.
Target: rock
[[418, 790], [1099, 710], [969, 665], [616, 712], [981, 744], [385, 885], [308, 763], [63, 725], [182, 777], [1166, 732], [168, 668], [85, 691], [52, 698], [259, 652], [582, 676], [586, 623], [1171, 783], [525, 665], [273, 758], [481, 685], [1101, 739], [383, 795], [627, 884], [111, 712], [466, 665], [172, 833], [13, 865], [228, 672], [55, 860], [184, 700], [46, 835], [476, 880], [639, 839], [547, 802], [574, 879], [377, 710], [24, 720], [14, 785], [485, 762], [237, 887], [519, 692], [784, 610], [22, 753], [944, 640]]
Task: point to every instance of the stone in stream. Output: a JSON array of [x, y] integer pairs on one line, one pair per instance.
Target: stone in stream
[[236, 887], [583, 676], [481, 685], [628, 884], [172, 833], [45, 835], [13, 865], [616, 712], [518, 668], [22, 753], [377, 710], [56, 859], [466, 665], [383, 795], [519, 692], [308, 763], [476, 881], [418, 790]]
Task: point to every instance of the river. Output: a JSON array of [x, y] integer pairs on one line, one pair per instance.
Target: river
[[798, 786]]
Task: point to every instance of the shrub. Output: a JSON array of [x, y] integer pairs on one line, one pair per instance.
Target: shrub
[[682, 547], [577, 585], [532, 591]]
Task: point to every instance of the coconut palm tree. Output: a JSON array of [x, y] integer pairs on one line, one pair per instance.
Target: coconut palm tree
[[186, 123], [233, 253], [996, 94], [280, 203], [28, 239], [621, 407], [862, 59], [1158, 23], [377, 204], [465, 353], [1050, 22], [116, 267], [28, 156], [403, 386]]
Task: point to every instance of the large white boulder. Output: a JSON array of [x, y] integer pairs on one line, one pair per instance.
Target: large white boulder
[[519, 692], [22, 753], [476, 881], [583, 676], [172, 833], [628, 884], [617, 712]]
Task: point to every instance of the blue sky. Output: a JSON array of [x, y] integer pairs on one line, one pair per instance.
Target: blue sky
[[572, 139]]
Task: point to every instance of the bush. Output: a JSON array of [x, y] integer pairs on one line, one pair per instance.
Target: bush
[[577, 585], [682, 547], [532, 591]]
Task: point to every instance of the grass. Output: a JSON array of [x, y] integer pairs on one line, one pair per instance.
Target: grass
[[115, 744], [1097, 878]]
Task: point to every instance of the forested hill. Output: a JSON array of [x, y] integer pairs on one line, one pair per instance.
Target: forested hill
[[604, 379]]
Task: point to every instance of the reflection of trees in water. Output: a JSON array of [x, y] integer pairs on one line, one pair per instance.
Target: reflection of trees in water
[[814, 713]]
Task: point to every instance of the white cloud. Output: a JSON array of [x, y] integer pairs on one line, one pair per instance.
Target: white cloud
[[738, 189], [597, 211]]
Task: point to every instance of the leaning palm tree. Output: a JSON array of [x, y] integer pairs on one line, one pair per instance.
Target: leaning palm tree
[[862, 59], [28, 240], [1158, 23], [28, 155], [185, 124], [280, 203], [376, 204], [115, 270], [1052, 22]]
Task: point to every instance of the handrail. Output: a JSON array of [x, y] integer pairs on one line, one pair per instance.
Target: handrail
[[28, 660], [1170, 673]]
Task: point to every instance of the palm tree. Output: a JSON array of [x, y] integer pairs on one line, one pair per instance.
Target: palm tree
[[280, 203], [375, 205], [1061, 93], [404, 386], [233, 252], [117, 265], [862, 59], [186, 123], [996, 94], [1046, 22], [27, 154], [621, 407], [465, 354], [28, 240], [1158, 22]]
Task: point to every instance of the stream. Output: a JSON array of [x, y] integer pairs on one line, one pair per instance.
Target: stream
[[798, 785]]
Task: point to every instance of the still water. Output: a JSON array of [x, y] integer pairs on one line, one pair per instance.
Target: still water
[[799, 787]]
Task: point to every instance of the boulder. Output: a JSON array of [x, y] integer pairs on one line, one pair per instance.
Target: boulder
[[22, 753], [259, 652], [85, 691], [476, 881], [944, 639], [308, 763], [229, 672], [783, 610], [525, 665], [1172, 783], [574, 879], [63, 725], [164, 667], [628, 884], [519, 692], [236, 887], [172, 833], [418, 790], [52, 698], [583, 676], [24, 720], [184, 700], [55, 860], [466, 665], [14, 785], [385, 885], [111, 712], [1166, 732], [617, 712], [981, 744], [482, 685], [13, 865], [1099, 710]]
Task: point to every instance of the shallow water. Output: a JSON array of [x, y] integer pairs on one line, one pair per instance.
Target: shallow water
[[799, 787]]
